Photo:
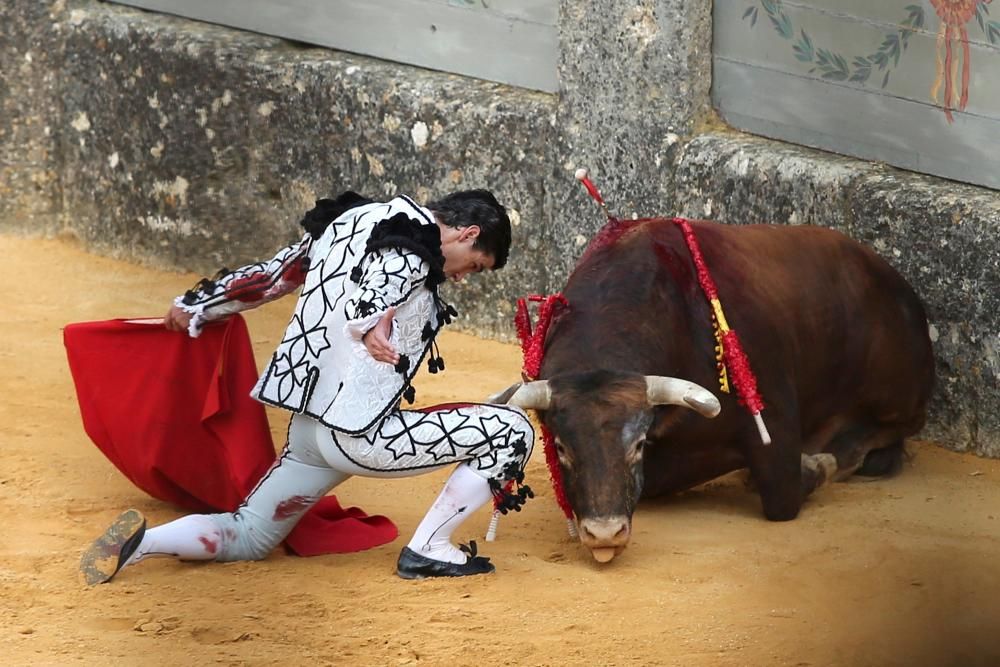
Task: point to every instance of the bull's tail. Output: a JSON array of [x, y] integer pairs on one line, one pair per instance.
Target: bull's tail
[[885, 461]]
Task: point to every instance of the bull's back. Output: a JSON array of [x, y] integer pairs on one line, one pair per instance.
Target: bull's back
[[819, 310], [826, 323]]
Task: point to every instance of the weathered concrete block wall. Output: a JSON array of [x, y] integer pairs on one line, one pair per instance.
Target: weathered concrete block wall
[[193, 146], [31, 54], [634, 78], [248, 131]]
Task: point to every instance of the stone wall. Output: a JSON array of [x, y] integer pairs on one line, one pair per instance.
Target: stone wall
[[191, 146], [31, 127]]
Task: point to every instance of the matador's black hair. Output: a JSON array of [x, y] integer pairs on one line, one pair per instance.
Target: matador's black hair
[[479, 208]]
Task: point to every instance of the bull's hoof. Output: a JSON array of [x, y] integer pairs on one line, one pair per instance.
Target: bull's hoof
[[786, 512], [412, 565]]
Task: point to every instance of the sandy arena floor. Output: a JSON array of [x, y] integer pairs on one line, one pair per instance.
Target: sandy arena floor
[[896, 572]]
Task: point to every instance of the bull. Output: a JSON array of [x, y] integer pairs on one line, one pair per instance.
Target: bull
[[837, 339]]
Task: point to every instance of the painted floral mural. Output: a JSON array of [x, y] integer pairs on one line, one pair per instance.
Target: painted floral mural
[[950, 87]]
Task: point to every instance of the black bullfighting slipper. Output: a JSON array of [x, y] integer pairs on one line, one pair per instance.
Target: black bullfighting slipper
[[412, 565], [109, 552]]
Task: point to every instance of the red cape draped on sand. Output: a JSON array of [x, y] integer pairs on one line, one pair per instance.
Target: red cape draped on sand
[[174, 415]]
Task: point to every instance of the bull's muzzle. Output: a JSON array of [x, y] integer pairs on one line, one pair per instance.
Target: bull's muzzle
[[607, 537]]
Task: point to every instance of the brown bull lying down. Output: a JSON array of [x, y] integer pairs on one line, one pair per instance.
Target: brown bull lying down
[[836, 337]]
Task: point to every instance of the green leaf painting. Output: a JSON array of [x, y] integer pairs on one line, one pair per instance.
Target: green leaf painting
[[833, 66], [952, 44]]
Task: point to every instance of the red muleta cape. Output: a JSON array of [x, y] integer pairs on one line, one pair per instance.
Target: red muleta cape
[[174, 415]]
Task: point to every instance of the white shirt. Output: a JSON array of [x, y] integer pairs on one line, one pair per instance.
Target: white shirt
[[321, 368]]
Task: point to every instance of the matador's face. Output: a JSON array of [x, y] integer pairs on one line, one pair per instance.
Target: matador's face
[[461, 257]]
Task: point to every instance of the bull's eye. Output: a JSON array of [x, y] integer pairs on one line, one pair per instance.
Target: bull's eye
[[562, 452], [636, 454]]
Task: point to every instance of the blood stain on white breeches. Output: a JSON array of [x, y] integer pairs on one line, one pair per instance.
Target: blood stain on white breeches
[[211, 546], [291, 507]]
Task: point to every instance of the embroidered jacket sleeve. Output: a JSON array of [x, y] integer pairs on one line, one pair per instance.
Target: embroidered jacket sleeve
[[388, 277], [246, 287]]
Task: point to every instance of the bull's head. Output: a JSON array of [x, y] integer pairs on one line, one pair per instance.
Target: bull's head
[[599, 420]]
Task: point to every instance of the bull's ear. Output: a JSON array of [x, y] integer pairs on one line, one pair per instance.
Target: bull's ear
[[501, 397], [662, 390], [532, 396]]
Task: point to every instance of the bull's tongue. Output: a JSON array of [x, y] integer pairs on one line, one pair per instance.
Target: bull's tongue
[[603, 554]]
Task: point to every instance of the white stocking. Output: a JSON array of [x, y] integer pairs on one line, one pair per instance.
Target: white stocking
[[192, 537], [463, 494]]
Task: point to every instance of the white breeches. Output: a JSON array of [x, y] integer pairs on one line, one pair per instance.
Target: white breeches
[[495, 440]]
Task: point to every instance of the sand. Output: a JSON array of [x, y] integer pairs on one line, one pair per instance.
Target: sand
[[904, 571]]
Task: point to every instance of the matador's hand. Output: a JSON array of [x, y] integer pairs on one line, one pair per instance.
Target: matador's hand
[[376, 340], [177, 319]]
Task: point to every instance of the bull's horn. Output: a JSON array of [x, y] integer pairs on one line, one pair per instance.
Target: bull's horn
[[532, 396], [501, 397], [674, 391]]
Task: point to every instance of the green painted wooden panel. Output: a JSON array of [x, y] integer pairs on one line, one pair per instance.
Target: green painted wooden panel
[[511, 41], [888, 80]]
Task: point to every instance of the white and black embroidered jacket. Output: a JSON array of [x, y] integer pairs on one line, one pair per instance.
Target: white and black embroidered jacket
[[370, 258]]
